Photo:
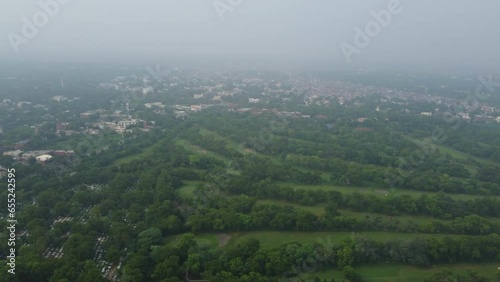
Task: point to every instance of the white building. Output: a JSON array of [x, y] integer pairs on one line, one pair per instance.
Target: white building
[[147, 90], [106, 125], [195, 108], [127, 122], [12, 153], [43, 158], [179, 114], [22, 103], [155, 104], [59, 98]]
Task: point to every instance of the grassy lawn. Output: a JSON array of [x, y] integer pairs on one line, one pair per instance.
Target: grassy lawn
[[145, 152], [462, 156], [458, 155], [269, 239], [272, 239], [197, 150], [378, 191], [201, 239], [319, 209], [312, 209], [401, 218], [405, 273], [188, 188], [229, 143]]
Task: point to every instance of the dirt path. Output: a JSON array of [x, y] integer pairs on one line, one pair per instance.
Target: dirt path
[[247, 150], [223, 239], [199, 149]]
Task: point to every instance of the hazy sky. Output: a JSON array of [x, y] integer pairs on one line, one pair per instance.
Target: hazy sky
[[431, 34]]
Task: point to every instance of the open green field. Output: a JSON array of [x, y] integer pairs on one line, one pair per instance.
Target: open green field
[[197, 150], [229, 143], [238, 147], [378, 191], [188, 188], [312, 209], [457, 155], [319, 209], [269, 239], [461, 155], [400, 218], [201, 239], [144, 153], [405, 273]]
